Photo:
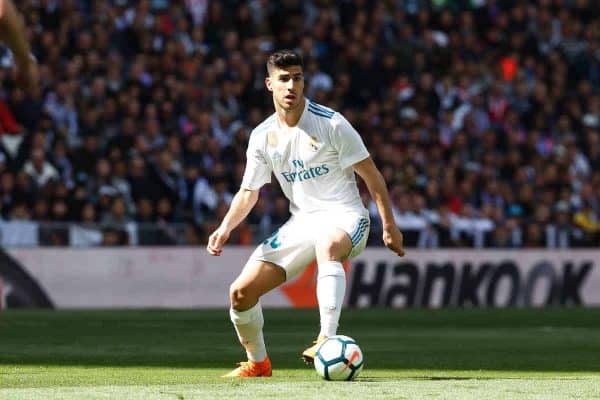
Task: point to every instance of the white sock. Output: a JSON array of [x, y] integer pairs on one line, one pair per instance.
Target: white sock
[[248, 325], [331, 287]]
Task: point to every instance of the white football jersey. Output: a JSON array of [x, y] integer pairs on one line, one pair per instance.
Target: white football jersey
[[312, 161]]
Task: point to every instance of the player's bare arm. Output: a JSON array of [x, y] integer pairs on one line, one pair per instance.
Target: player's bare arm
[[243, 201], [12, 32], [392, 237]]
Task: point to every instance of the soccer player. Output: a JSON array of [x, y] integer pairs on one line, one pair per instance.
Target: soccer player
[[12, 33], [313, 152]]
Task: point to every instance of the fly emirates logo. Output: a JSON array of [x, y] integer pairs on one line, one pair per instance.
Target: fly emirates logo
[[302, 173]]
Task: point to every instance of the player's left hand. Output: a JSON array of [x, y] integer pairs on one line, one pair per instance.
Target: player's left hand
[[393, 240]]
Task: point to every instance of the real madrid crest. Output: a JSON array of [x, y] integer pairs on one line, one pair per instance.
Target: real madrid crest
[[313, 143]]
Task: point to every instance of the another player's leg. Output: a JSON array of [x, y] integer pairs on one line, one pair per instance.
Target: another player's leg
[[331, 285], [256, 279]]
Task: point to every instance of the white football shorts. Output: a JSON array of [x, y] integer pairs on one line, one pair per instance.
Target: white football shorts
[[292, 246]]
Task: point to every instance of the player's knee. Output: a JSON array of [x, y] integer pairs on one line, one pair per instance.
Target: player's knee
[[328, 250], [241, 297], [236, 295]]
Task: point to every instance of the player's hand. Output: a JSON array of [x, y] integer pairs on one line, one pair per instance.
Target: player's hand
[[393, 240], [216, 241]]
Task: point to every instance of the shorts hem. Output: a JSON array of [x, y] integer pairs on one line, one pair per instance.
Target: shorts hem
[[270, 262]]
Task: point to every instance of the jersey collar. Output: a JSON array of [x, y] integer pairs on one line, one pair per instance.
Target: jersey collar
[[303, 116], [304, 113]]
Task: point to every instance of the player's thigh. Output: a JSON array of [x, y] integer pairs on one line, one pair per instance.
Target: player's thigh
[[256, 279], [345, 239], [333, 244], [291, 247]]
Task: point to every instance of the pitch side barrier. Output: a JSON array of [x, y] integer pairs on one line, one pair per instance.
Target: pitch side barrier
[[185, 277]]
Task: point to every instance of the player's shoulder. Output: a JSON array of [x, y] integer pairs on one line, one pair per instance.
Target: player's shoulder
[[324, 112], [327, 118], [324, 116], [321, 111], [264, 127]]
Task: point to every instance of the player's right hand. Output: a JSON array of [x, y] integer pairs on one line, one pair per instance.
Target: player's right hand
[[393, 240], [216, 241]]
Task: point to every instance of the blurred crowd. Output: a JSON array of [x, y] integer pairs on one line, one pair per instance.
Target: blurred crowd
[[483, 116]]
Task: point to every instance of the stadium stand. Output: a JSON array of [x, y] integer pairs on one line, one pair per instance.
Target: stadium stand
[[484, 117]]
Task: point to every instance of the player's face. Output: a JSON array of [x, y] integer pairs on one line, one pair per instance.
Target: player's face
[[287, 86]]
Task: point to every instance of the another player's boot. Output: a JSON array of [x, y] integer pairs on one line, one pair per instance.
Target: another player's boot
[[309, 354], [251, 369]]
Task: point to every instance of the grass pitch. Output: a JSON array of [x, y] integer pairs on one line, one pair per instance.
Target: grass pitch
[[414, 354]]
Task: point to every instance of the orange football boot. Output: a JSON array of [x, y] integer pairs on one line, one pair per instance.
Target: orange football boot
[[251, 369], [309, 354]]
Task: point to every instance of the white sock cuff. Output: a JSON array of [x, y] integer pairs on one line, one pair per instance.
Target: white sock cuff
[[330, 268], [247, 316]]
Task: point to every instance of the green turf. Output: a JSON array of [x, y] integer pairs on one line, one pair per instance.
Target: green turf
[[415, 354]]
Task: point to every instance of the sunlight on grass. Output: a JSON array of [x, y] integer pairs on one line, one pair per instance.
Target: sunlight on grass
[[419, 354]]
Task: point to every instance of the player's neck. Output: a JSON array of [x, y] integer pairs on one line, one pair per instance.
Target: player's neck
[[290, 118]]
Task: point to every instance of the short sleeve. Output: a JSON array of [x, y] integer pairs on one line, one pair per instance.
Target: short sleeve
[[258, 170], [346, 140]]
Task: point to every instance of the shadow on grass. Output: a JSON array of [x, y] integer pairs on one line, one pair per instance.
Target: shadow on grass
[[560, 340], [458, 378]]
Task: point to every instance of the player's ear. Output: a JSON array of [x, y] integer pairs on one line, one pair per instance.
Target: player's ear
[[268, 83]]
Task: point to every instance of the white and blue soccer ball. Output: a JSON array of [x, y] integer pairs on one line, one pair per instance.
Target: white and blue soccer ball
[[339, 359]]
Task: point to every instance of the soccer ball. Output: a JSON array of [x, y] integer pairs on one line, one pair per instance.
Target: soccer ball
[[339, 359]]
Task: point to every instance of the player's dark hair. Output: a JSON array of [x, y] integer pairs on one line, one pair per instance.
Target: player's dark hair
[[284, 59]]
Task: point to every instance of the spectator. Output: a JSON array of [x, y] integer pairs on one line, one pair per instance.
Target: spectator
[[40, 170], [586, 219], [484, 119], [145, 211], [114, 237], [117, 214]]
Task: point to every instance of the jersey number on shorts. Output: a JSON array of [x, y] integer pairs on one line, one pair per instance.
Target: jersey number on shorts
[[273, 240]]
